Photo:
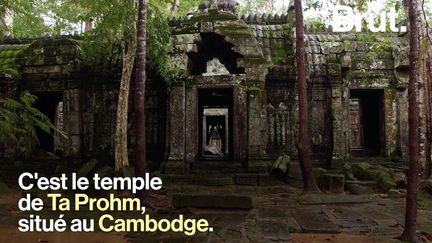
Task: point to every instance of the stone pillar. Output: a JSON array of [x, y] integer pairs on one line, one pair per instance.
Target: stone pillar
[[339, 133], [390, 114], [257, 140], [191, 124], [257, 117], [74, 122], [240, 123], [176, 130]]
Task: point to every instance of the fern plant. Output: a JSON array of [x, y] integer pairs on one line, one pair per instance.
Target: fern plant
[[19, 120]]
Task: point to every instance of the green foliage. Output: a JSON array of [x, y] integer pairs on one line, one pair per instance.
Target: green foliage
[[314, 24], [114, 22], [42, 17], [20, 119], [260, 7], [158, 41], [187, 6]]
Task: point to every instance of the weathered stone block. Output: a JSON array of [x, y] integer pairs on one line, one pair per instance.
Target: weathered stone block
[[266, 180], [186, 39], [212, 201], [428, 184], [334, 69], [359, 189], [400, 179], [185, 48], [331, 47], [87, 168], [105, 171], [363, 171], [179, 62], [385, 180], [349, 46], [332, 182], [174, 167], [217, 180], [345, 61], [246, 179], [281, 165]]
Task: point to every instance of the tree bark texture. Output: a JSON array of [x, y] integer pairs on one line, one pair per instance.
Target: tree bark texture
[[121, 141], [409, 233], [309, 183], [174, 8], [139, 111]]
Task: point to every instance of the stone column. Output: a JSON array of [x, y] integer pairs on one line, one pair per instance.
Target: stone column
[[74, 122], [176, 130], [257, 117], [339, 136], [191, 124], [240, 123], [257, 125], [390, 114]]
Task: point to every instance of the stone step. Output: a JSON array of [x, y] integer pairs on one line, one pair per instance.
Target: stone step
[[212, 201], [201, 167], [218, 179]]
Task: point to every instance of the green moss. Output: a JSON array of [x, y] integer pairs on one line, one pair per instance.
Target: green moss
[[424, 201], [211, 16], [186, 30], [279, 56], [254, 61], [234, 31], [332, 59]]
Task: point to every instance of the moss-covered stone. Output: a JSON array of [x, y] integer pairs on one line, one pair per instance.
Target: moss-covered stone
[[88, 167], [385, 180], [428, 185], [211, 16], [359, 189]]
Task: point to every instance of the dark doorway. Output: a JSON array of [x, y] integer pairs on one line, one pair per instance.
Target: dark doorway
[[366, 122], [50, 104], [215, 124]]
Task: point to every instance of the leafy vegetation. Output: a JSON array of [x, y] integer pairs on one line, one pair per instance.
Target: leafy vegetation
[[19, 119]]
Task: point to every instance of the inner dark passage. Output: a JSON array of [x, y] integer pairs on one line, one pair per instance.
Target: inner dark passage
[[51, 105], [215, 124], [366, 122]]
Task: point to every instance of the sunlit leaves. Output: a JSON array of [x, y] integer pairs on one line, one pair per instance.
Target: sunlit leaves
[[20, 119]]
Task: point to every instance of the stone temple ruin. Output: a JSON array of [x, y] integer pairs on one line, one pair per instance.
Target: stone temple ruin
[[234, 103]]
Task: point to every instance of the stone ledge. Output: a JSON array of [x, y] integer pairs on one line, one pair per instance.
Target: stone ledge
[[212, 201]]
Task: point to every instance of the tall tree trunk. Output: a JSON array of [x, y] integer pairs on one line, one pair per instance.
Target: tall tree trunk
[[309, 183], [88, 25], [409, 233], [174, 8], [129, 49], [120, 149], [6, 21], [139, 111], [425, 77]]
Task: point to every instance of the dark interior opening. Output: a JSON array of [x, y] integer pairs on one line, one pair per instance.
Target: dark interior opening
[[216, 126], [366, 122], [214, 46], [48, 104]]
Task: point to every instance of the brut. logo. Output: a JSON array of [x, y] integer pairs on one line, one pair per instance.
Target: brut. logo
[[345, 20]]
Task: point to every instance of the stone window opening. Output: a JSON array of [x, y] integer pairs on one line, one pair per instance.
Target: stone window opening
[[213, 46], [366, 122]]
